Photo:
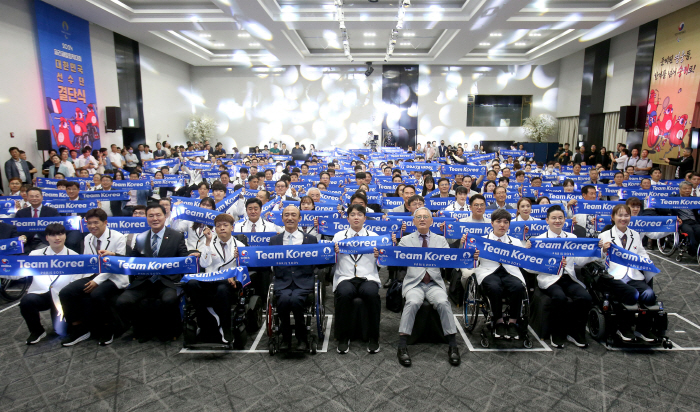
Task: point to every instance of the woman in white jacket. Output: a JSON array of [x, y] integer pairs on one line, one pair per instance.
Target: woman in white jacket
[[195, 232]]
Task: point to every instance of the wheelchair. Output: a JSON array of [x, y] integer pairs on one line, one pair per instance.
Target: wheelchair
[[476, 302], [314, 316], [246, 318], [605, 314]]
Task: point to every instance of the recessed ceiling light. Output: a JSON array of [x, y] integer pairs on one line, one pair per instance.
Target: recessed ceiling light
[[218, 45], [229, 69], [495, 34], [244, 35], [369, 44], [254, 44], [484, 44], [205, 35], [408, 43], [370, 34], [535, 35], [520, 44], [409, 34]]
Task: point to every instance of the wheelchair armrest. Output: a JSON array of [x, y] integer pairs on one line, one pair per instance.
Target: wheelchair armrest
[[631, 308]]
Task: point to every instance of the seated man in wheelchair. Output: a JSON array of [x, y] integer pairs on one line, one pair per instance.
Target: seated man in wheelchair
[[690, 220], [292, 284], [628, 286], [498, 280], [219, 252], [566, 325]]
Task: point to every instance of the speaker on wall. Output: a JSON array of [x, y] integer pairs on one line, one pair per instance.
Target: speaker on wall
[[628, 117], [43, 139], [114, 119]]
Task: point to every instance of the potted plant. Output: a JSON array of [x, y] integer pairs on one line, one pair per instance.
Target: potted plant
[[539, 128], [200, 128]]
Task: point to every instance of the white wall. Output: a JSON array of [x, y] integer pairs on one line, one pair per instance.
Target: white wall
[[165, 83], [618, 87], [104, 66], [570, 83]]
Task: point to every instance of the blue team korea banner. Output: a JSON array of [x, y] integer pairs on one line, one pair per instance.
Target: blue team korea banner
[[12, 246], [673, 202], [44, 182], [320, 207], [198, 166], [51, 265], [511, 198], [567, 247], [194, 214], [196, 153], [463, 170], [534, 228], [169, 182], [132, 184], [240, 273], [287, 255], [307, 216], [123, 225], [419, 167], [438, 203], [560, 196], [157, 164], [330, 227], [481, 157], [147, 266], [594, 207], [426, 257], [386, 187], [80, 206], [391, 202], [194, 201], [229, 200], [7, 206], [31, 224], [54, 194], [455, 230], [626, 193], [257, 238], [663, 224], [514, 153], [69, 85], [521, 257], [624, 257], [362, 245], [105, 195]]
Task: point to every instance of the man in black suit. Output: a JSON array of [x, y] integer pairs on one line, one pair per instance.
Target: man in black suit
[[581, 155], [36, 209], [292, 283], [74, 238], [685, 163], [442, 149], [111, 207], [158, 242]]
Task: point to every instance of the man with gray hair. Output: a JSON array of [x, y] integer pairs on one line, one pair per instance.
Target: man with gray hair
[[690, 218], [425, 283]]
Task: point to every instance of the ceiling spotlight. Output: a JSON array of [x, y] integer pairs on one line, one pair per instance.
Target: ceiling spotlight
[[484, 44], [407, 43], [495, 34], [205, 35], [521, 43], [370, 34], [369, 70], [535, 35], [409, 34], [254, 44], [244, 35], [407, 3], [218, 45], [369, 44]]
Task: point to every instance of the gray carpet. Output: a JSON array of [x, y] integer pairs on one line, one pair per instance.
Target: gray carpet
[[156, 376]]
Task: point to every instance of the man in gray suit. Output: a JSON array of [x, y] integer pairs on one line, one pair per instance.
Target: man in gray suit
[[17, 167], [408, 192], [500, 196], [425, 283]]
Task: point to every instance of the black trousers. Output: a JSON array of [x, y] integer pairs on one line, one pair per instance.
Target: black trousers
[[692, 228], [217, 295], [628, 293], [292, 300], [93, 308], [74, 240], [345, 293], [499, 283], [31, 305], [564, 322], [165, 314]]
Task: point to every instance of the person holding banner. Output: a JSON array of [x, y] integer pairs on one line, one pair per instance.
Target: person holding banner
[[627, 284], [460, 203], [43, 294], [565, 325], [499, 196], [36, 209], [219, 253], [585, 221], [422, 283], [196, 231], [408, 192], [307, 203], [524, 208], [97, 289], [689, 219], [356, 275], [111, 207], [254, 223]]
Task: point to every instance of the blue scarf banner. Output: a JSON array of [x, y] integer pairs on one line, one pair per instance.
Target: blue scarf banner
[[570, 169], [44, 182], [593, 207], [249, 193], [157, 164], [610, 191], [198, 166], [169, 182], [49, 265], [463, 170], [389, 203], [54, 194], [211, 174], [534, 228], [435, 192], [479, 158], [511, 198], [12, 246], [513, 153], [362, 245], [560, 196], [607, 174], [580, 179], [190, 201], [437, 203], [147, 266], [383, 187], [7, 206], [624, 257], [196, 153], [194, 214], [240, 273], [105, 195], [567, 247], [455, 230], [330, 227], [72, 206], [319, 207], [307, 216], [132, 184], [331, 196], [426, 257], [540, 211], [257, 238], [521, 257], [123, 225], [31, 224], [673, 202], [626, 193], [662, 224], [410, 227], [281, 158], [419, 167], [298, 186], [229, 200], [287, 255], [529, 191]]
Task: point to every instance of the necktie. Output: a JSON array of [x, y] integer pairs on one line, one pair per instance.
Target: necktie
[[98, 246], [356, 257], [426, 277], [461, 209], [289, 239], [223, 249], [36, 212], [154, 249], [252, 224]]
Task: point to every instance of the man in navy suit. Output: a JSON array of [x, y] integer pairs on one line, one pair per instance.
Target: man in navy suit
[[292, 283], [442, 149], [35, 210]]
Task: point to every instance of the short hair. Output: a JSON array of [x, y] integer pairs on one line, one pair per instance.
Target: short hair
[[555, 208], [203, 183], [15, 178], [519, 173], [153, 205], [585, 189], [535, 178], [54, 229], [253, 200], [96, 212], [423, 208], [461, 190], [654, 169], [441, 179], [360, 196], [138, 207], [35, 189], [477, 197], [360, 175], [414, 198], [62, 182], [633, 201], [13, 148], [567, 182], [167, 199], [358, 208], [410, 186], [107, 176], [500, 214], [618, 207], [503, 179], [224, 217], [683, 184], [72, 184], [218, 186], [499, 187], [224, 173]]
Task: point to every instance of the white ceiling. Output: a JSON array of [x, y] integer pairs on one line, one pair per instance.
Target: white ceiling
[[453, 32]]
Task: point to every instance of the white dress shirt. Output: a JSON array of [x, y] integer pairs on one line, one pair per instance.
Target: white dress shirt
[[454, 206], [634, 245], [261, 225], [216, 257], [545, 280], [351, 266], [114, 242], [53, 284], [294, 238]]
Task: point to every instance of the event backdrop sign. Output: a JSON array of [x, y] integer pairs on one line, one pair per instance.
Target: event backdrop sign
[[69, 84], [674, 84]]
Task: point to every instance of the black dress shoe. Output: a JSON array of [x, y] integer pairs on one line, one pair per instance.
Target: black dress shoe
[[387, 283], [284, 346], [453, 356], [35, 337], [404, 358]]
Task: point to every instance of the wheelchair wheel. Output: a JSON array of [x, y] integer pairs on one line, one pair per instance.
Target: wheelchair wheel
[[527, 344], [668, 244], [484, 342], [13, 289], [270, 312], [313, 345], [596, 324], [271, 347], [320, 312], [255, 315], [471, 304]]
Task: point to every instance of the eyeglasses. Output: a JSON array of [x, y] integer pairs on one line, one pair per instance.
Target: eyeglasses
[[422, 217]]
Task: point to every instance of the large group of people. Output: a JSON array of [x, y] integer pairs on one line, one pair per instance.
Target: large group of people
[[272, 190]]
